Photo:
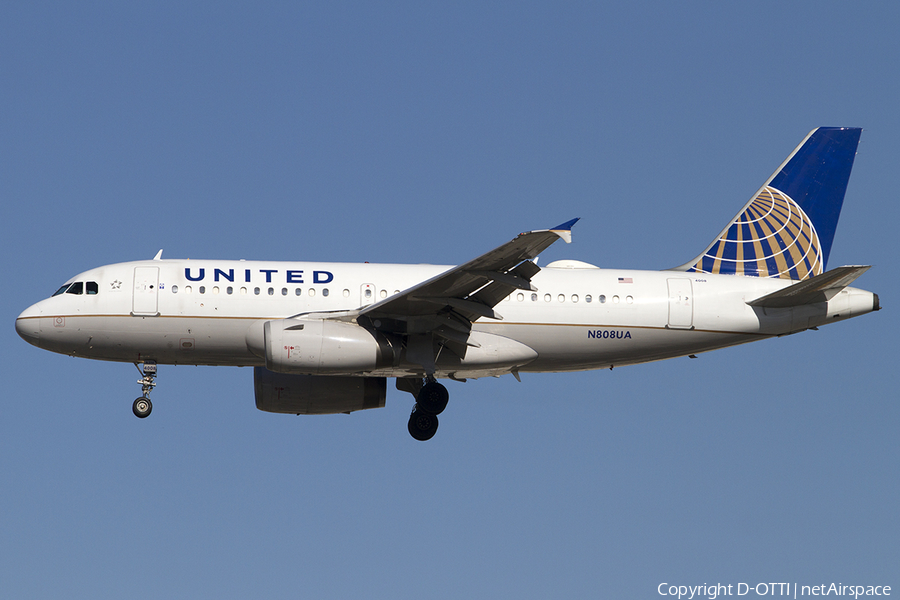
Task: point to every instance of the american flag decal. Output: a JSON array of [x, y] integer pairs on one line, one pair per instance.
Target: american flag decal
[[626, 280]]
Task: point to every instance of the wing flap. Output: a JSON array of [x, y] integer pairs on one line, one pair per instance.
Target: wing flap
[[499, 288]]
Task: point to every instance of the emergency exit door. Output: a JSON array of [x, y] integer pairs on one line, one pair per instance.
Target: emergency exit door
[[366, 294]]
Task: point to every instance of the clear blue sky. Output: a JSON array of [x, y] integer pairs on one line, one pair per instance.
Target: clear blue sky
[[431, 132]]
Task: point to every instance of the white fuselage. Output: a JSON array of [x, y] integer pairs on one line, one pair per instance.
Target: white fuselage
[[201, 312]]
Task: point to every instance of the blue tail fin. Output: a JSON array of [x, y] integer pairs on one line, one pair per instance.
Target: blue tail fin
[[787, 228]]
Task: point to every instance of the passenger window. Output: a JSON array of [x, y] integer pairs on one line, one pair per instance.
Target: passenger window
[[284, 291], [562, 297], [76, 288], [271, 291], [534, 297], [601, 299], [202, 289], [547, 297], [325, 292], [383, 293], [587, 298], [229, 290], [62, 290], [92, 288], [312, 292], [297, 291], [574, 297], [256, 291], [174, 289], [520, 297]]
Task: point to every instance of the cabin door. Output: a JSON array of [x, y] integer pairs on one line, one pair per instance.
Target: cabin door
[[681, 304], [146, 290]]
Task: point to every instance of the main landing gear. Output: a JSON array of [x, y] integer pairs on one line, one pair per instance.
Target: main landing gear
[[142, 406], [431, 400]]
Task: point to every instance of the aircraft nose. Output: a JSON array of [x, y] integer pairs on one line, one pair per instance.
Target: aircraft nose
[[28, 326]]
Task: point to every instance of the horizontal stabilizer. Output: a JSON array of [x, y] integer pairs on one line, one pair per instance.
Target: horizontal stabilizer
[[820, 288]]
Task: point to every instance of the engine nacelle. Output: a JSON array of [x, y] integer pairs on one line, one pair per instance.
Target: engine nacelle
[[319, 347], [316, 395]]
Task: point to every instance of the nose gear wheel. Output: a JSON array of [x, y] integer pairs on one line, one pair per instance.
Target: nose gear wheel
[[142, 407]]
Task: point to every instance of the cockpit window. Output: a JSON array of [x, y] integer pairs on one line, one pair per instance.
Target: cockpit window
[[92, 288], [62, 290], [76, 288]]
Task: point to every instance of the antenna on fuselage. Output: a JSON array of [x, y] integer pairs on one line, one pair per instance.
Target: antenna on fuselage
[[158, 255]]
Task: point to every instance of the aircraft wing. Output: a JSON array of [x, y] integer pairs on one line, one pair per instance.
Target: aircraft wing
[[820, 288], [451, 301]]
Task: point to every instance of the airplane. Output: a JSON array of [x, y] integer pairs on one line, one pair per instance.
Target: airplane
[[323, 338]]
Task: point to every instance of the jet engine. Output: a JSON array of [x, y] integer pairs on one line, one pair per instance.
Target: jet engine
[[316, 395], [320, 347]]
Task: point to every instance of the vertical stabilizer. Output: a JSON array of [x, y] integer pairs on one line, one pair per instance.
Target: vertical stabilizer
[[786, 230]]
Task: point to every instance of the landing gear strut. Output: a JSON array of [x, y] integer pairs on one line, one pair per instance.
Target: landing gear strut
[[431, 400], [142, 406]]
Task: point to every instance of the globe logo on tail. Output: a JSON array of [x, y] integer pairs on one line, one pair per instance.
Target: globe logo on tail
[[772, 237]]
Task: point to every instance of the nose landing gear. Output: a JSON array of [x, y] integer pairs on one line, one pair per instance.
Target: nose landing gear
[[142, 405]]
